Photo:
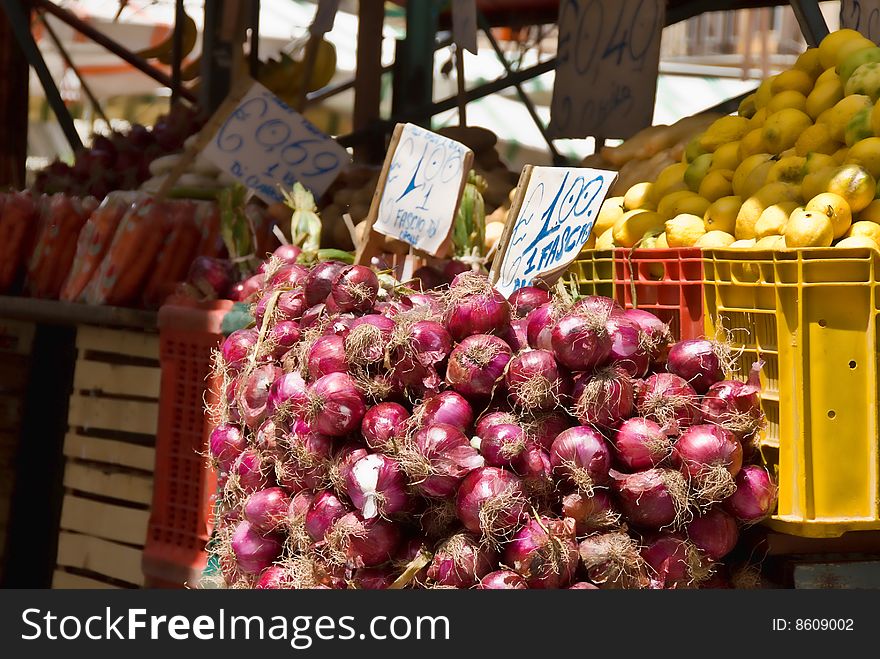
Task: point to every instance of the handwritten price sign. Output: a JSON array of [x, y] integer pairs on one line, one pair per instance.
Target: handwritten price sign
[[549, 222], [861, 15], [606, 71], [265, 144], [424, 182]]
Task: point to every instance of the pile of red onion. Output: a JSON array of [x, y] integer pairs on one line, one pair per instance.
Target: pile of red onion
[[372, 436]]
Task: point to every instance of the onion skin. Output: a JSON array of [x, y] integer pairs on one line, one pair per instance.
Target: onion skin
[[238, 346], [544, 551], [526, 299], [369, 542], [339, 405], [493, 419], [376, 487], [450, 456], [460, 562], [666, 397], [627, 347], [324, 510], [249, 470], [320, 281], [267, 509], [646, 499], [582, 456], [705, 446], [485, 485], [641, 444], [539, 327], [578, 344], [590, 513], [288, 392], [672, 561], [307, 461], [283, 336], [273, 577], [355, 289], [502, 580], [502, 444], [516, 335], [605, 398], [755, 496], [289, 275], [253, 552], [476, 364], [447, 407], [715, 533], [383, 425], [255, 397], [225, 444], [599, 304], [327, 355], [733, 405], [483, 311], [583, 585], [697, 362], [534, 381], [547, 426]]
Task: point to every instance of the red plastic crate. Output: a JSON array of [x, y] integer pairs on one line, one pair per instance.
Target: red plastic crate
[[180, 519], [666, 282]]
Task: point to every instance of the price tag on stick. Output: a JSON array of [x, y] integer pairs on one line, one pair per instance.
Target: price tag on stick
[[861, 15], [325, 17], [264, 144], [550, 220], [606, 71]]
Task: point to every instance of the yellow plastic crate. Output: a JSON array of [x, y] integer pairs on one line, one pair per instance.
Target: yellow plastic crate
[[811, 315], [594, 272]]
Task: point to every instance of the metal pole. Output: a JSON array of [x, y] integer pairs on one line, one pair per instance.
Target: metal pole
[[254, 54], [14, 110], [176, 50], [414, 62], [811, 20]]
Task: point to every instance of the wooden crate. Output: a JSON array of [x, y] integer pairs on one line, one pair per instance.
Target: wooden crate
[[16, 338], [110, 455]]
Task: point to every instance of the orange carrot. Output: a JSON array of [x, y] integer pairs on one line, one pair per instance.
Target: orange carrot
[[19, 223]]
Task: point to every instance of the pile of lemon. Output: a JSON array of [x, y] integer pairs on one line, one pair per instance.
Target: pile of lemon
[[796, 167]]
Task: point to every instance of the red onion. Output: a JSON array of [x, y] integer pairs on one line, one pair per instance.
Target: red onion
[[244, 291], [237, 347], [426, 344], [248, 472], [544, 552], [755, 496], [290, 305], [336, 407], [253, 552], [675, 562], [715, 533], [274, 577], [495, 418], [446, 407], [605, 398], [342, 462], [267, 509], [357, 542], [546, 427], [491, 501], [288, 253], [383, 426], [460, 562], [539, 326], [453, 268], [629, 348], [255, 396], [652, 499], [641, 444], [582, 456], [212, 277], [475, 307], [590, 513], [613, 559], [735, 405], [320, 281], [526, 299], [289, 275], [340, 324], [699, 362], [288, 392], [516, 335], [355, 288], [534, 381], [426, 278], [536, 470], [307, 463], [327, 355], [580, 341], [428, 299], [667, 398], [376, 487], [437, 460], [313, 315], [266, 436], [367, 339], [710, 458], [283, 336], [299, 506], [225, 444], [476, 364], [583, 585], [324, 510], [372, 578], [599, 304], [502, 580], [655, 330], [502, 443]]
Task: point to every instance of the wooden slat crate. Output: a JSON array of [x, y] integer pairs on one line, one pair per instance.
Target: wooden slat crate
[[110, 455], [16, 338]]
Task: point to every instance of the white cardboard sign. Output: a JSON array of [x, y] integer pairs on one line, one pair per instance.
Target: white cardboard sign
[[422, 190], [464, 24], [606, 71], [265, 144], [559, 208], [861, 15]]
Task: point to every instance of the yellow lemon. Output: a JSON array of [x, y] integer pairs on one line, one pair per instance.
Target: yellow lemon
[[816, 182], [671, 179], [753, 206], [741, 173], [866, 153], [866, 229], [726, 156], [865, 80], [875, 120], [856, 59], [694, 205], [756, 180], [764, 92], [747, 106], [606, 240], [716, 184], [808, 62], [782, 129], [661, 242], [611, 211], [835, 207], [723, 130], [828, 75], [838, 117], [817, 161], [770, 242], [714, 239], [666, 205], [590, 244], [684, 230], [859, 127], [849, 48], [745, 243], [638, 196], [808, 229], [751, 143], [790, 169], [823, 97], [816, 139], [791, 80], [833, 42], [840, 155], [773, 219], [870, 213], [787, 99], [858, 241], [721, 215], [855, 184], [757, 120], [630, 228]]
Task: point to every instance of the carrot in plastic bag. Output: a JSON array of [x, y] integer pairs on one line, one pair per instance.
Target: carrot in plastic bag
[[178, 251], [19, 222], [62, 219], [94, 241], [208, 220], [123, 272]]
